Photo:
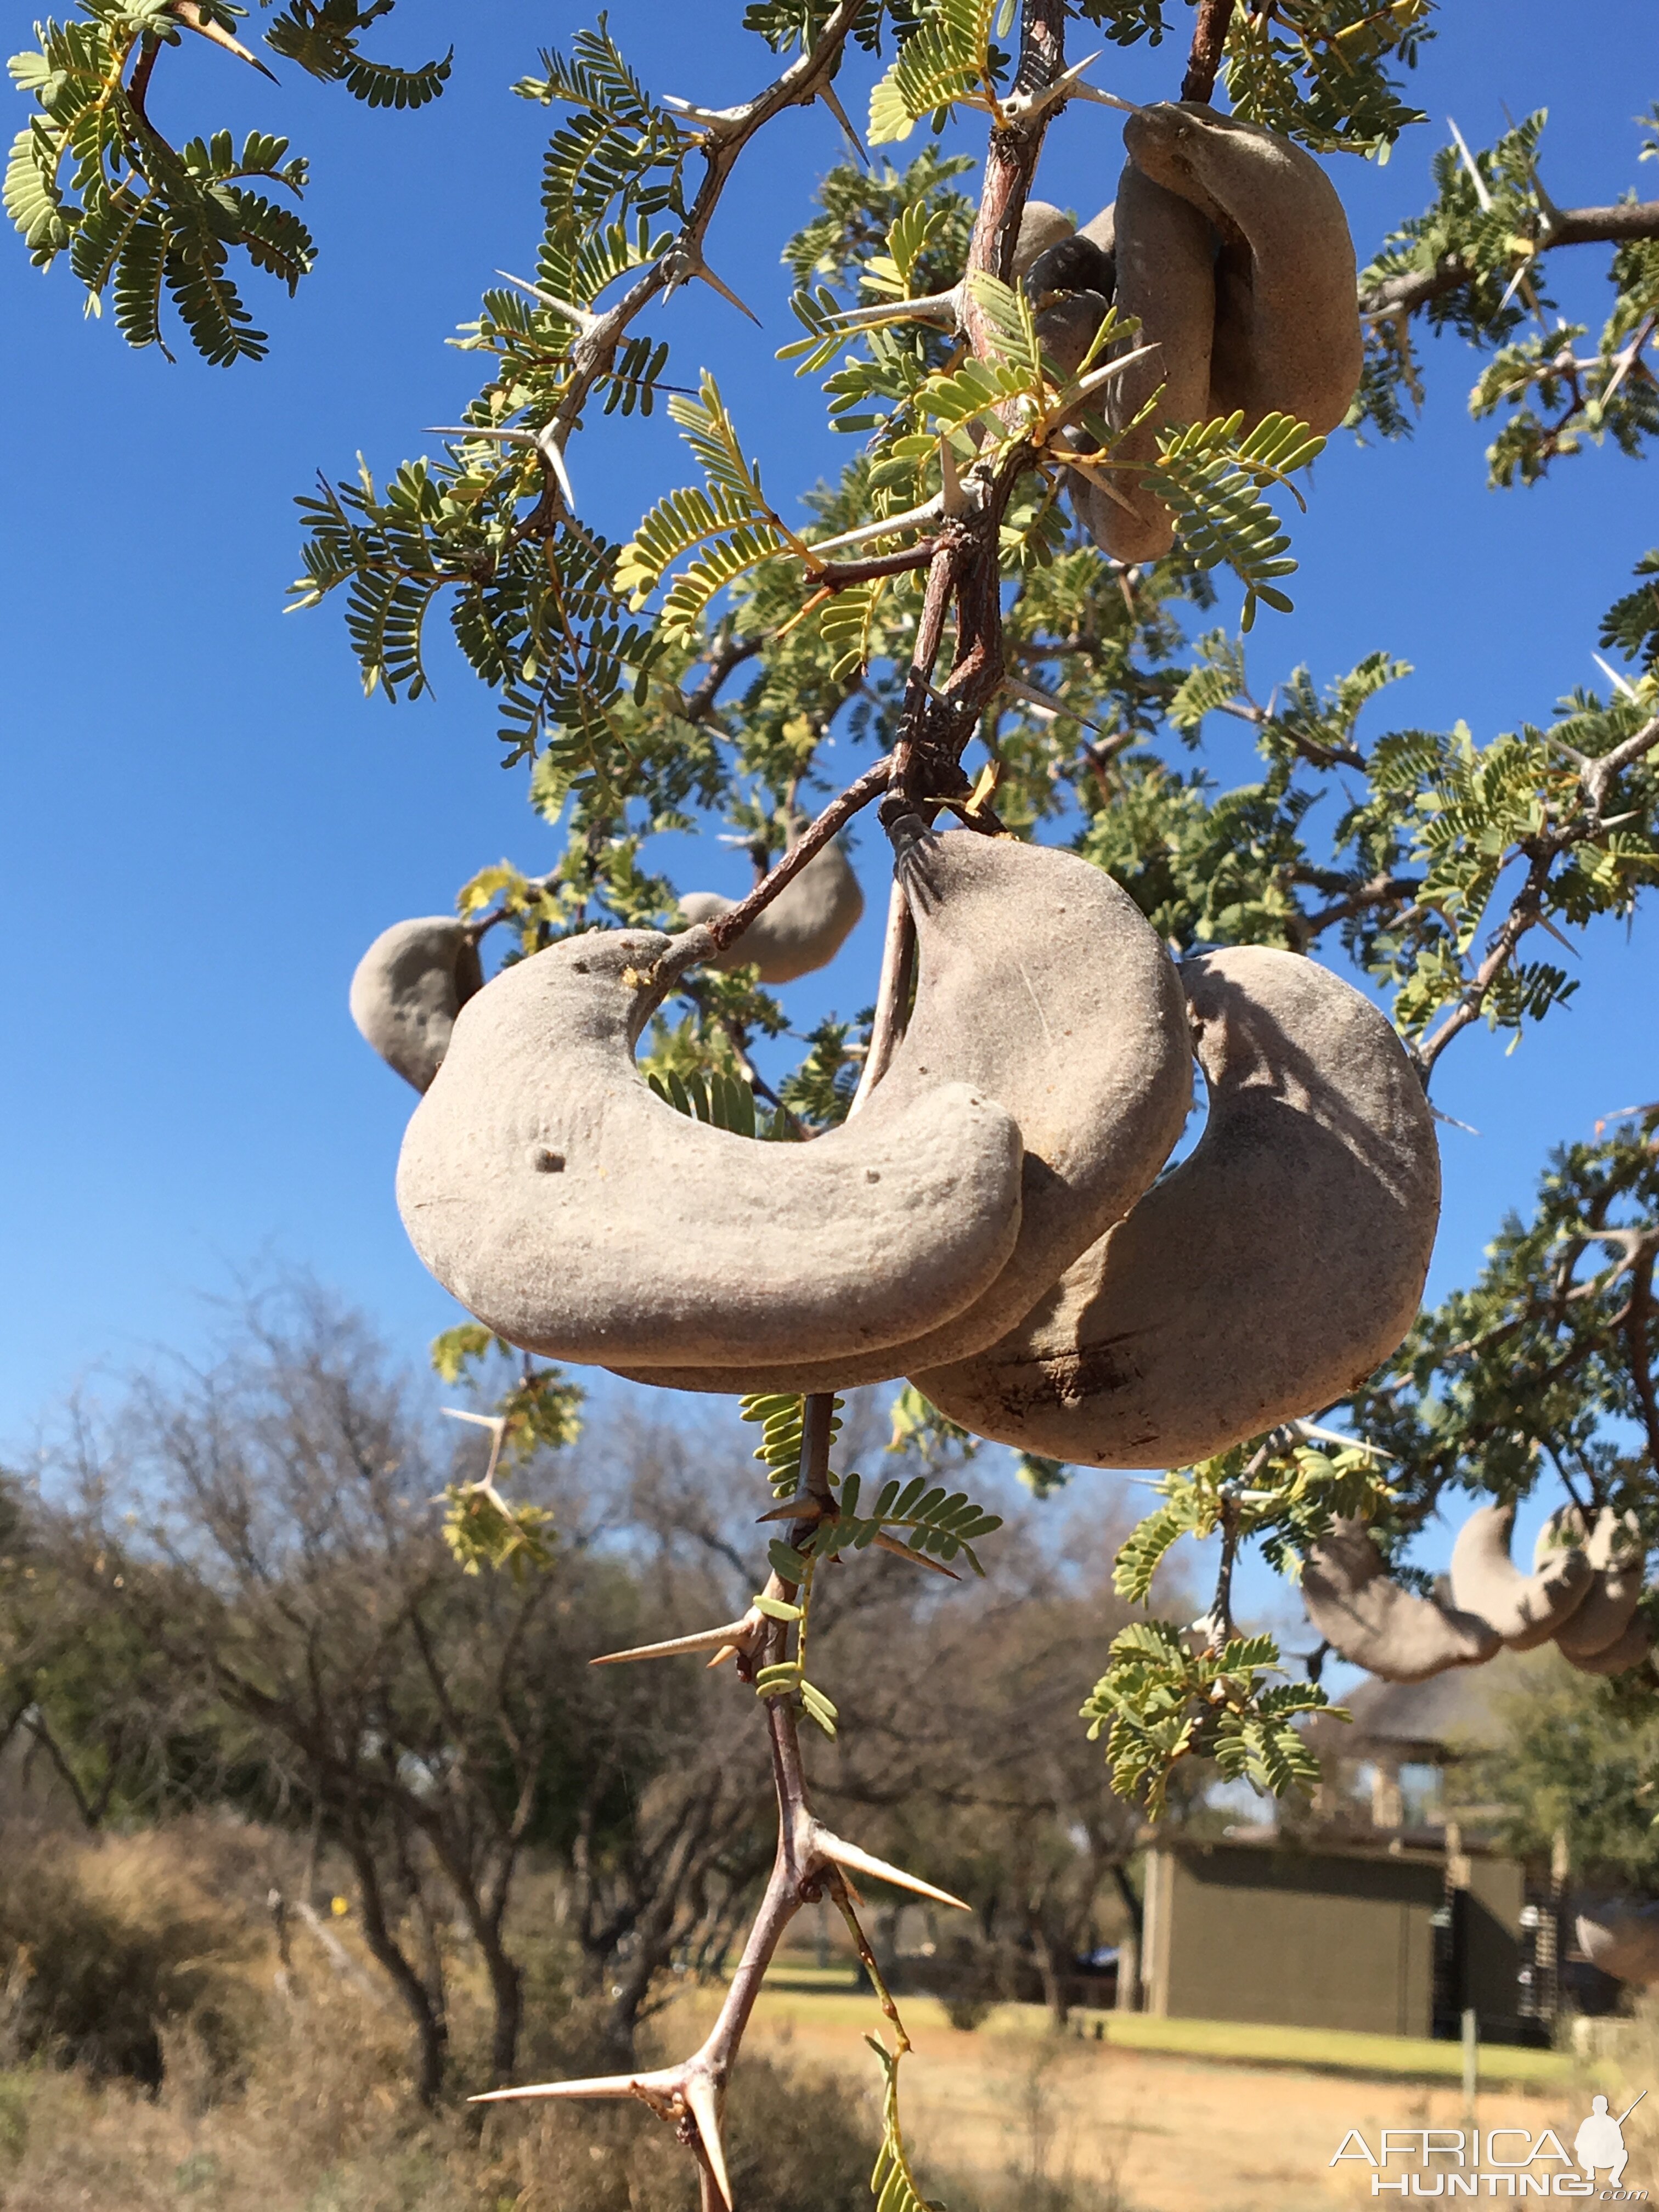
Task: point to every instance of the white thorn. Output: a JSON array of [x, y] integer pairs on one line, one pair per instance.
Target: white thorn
[[914, 518], [1619, 683], [886, 1543], [735, 1632], [955, 500], [697, 266], [494, 1422], [831, 100], [505, 435], [865, 1863], [1481, 193], [553, 453], [581, 317], [189, 14], [598, 2084], [942, 309], [704, 2107]]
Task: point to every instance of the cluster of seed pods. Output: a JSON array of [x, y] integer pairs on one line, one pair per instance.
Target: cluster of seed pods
[[1229, 247], [1583, 1595], [1000, 1223]]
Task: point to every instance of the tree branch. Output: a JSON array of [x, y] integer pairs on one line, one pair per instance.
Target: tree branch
[[1598, 226], [725, 138], [1204, 58]]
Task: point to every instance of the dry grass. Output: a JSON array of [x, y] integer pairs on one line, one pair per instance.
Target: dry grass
[[315, 2115]]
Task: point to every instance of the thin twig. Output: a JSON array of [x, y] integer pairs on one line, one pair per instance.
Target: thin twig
[[726, 929]]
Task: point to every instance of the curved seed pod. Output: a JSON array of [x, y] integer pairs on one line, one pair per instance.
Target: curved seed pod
[[408, 989], [1526, 1610], [1632, 1648], [1040, 985], [1597, 1624], [1165, 270], [1287, 336], [1261, 1278], [1366, 1617], [1076, 265], [1066, 329], [1621, 1937], [805, 927], [1040, 227], [578, 1215]]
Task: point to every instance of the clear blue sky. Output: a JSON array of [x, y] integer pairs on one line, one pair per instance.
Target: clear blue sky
[[203, 822]]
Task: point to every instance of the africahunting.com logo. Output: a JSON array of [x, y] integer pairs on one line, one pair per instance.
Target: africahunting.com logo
[[1500, 2161]]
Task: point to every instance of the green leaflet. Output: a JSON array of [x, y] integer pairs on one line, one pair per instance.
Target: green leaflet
[[781, 1439], [949, 58], [730, 519], [722, 1101], [1211, 482], [1160, 1702], [321, 36]]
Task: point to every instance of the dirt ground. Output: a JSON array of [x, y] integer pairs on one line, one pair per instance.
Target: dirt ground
[[1147, 2132]]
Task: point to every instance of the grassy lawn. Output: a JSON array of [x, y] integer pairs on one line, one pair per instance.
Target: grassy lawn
[[823, 1996]]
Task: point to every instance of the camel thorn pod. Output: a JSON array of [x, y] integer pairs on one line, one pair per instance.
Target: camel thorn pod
[[1042, 226], [803, 928], [408, 989], [1163, 260], [578, 1215], [1288, 339], [1526, 1610], [1621, 1937], [1629, 1651], [1614, 1548], [1040, 984], [1066, 330], [1258, 1281], [1368, 1619]]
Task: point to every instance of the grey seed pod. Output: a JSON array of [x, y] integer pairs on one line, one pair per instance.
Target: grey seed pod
[[803, 928], [1077, 264], [1164, 260], [1526, 1610], [578, 1215], [1040, 985], [1066, 329], [1366, 1617], [1040, 226], [1620, 1935], [1631, 1650], [1263, 1278], [1287, 336], [408, 989], [1613, 1547]]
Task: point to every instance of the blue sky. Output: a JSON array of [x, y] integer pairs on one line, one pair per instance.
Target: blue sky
[[204, 822]]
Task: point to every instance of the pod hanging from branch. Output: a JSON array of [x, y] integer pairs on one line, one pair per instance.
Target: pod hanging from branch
[[1597, 1625], [408, 989], [1525, 1610], [578, 1216], [1040, 984], [1368, 1619], [1164, 261], [1261, 1279], [803, 928], [1288, 339]]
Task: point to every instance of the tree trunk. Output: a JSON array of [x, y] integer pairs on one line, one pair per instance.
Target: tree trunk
[[506, 1995], [431, 2029], [1053, 1967]]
